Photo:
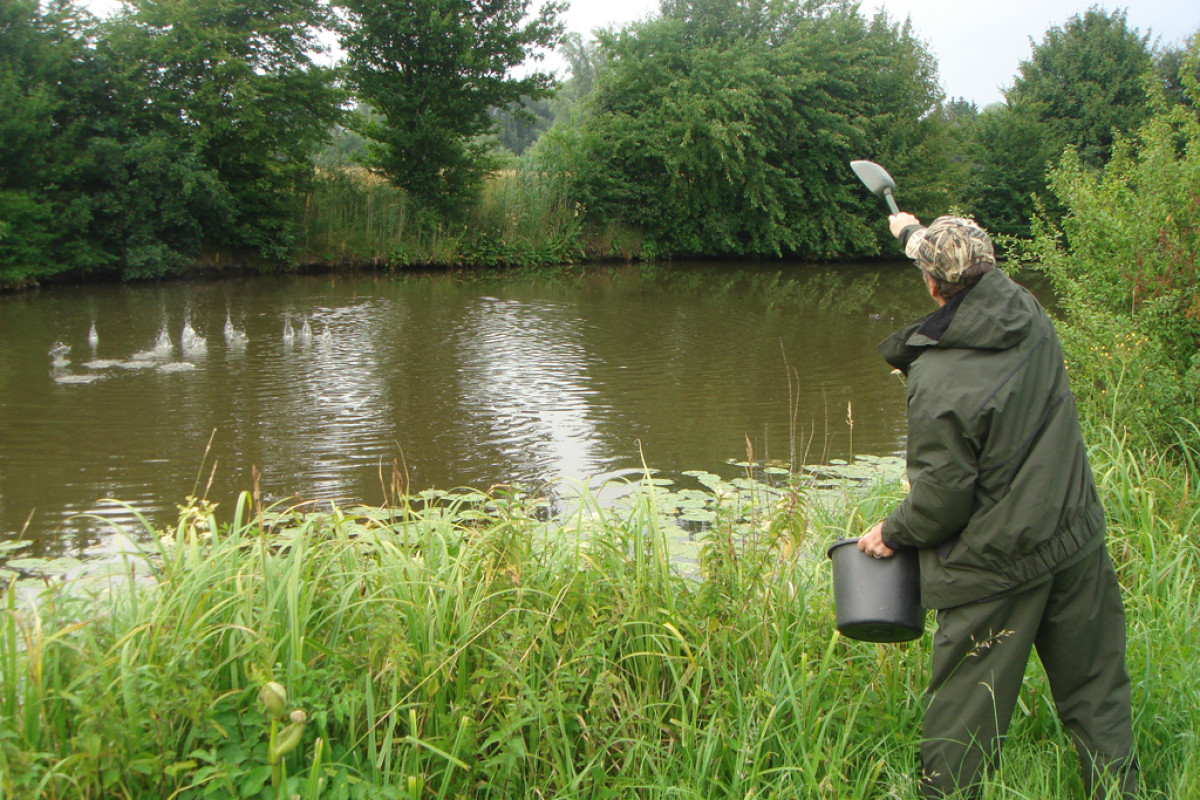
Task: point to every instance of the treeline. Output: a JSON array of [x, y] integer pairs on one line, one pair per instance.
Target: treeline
[[185, 133]]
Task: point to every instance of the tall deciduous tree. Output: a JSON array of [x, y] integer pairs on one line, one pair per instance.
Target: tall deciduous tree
[[726, 127], [44, 125], [1006, 157], [1084, 83], [234, 85], [174, 128], [434, 68]]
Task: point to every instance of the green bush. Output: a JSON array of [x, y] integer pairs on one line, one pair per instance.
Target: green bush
[[1124, 262], [725, 130]]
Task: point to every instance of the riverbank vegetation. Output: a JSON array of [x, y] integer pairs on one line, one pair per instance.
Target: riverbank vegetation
[[469, 645], [1124, 256], [178, 135], [474, 645]]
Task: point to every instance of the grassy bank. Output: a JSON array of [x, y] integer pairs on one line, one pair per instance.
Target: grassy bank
[[521, 219], [470, 648]]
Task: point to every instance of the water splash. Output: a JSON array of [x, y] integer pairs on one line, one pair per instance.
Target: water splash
[[67, 378], [176, 366], [233, 337], [163, 347], [93, 337], [58, 367], [192, 342]]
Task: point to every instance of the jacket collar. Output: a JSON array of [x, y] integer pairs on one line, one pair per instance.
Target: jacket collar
[[995, 314]]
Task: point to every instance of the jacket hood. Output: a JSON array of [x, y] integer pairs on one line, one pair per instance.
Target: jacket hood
[[995, 314]]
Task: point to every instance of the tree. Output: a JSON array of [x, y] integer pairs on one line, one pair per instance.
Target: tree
[[1006, 156], [583, 60], [725, 127], [44, 67], [521, 123], [174, 128], [232, 88], [1084, 84], [434, 69], [1173, 67]]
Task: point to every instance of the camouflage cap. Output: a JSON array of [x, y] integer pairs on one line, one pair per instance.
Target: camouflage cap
[[949, 246]]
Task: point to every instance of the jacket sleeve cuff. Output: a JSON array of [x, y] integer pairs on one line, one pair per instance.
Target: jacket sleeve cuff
[[906, 234], [887, 534]]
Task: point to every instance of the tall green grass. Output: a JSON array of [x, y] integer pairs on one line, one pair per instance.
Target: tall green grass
[[520, 219], [474, 649]]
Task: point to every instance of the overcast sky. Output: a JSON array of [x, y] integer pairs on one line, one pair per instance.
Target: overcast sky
[[978, 45]]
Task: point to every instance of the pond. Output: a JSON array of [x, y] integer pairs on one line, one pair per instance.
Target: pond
[[336, 386]]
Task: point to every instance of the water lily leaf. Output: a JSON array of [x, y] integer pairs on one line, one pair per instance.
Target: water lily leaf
[[59, 566], [852, 472], [749, 485], [8, 547], [30, 563], [713, 482], [378, 514], [692, 502]]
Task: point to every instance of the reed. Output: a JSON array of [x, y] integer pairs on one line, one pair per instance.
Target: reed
[[521, 219], [472, 647]]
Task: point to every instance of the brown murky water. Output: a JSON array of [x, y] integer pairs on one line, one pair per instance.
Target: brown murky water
[[464, 380]]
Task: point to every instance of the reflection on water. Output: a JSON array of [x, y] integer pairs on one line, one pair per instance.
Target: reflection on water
[[524, 386], [152, 393]]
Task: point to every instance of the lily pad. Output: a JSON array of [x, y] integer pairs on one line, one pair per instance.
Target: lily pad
[[60, 566], [27, 564], [709, 480], [692, 502]]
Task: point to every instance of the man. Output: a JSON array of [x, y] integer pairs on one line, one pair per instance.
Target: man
[[1004, 511]]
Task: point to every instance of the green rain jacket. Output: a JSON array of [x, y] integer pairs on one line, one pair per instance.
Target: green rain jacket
[[1001, 493]]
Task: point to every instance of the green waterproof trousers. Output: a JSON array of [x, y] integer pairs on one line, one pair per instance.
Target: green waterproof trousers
[[1076, 621]]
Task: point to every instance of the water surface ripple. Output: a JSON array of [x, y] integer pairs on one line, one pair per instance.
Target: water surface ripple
[[321, 383]]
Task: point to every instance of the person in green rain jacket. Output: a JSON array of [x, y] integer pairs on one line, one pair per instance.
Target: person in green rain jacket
[[1003, 510]]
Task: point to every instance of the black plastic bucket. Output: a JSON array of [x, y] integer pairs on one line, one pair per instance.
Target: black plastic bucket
[[877, 599]]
